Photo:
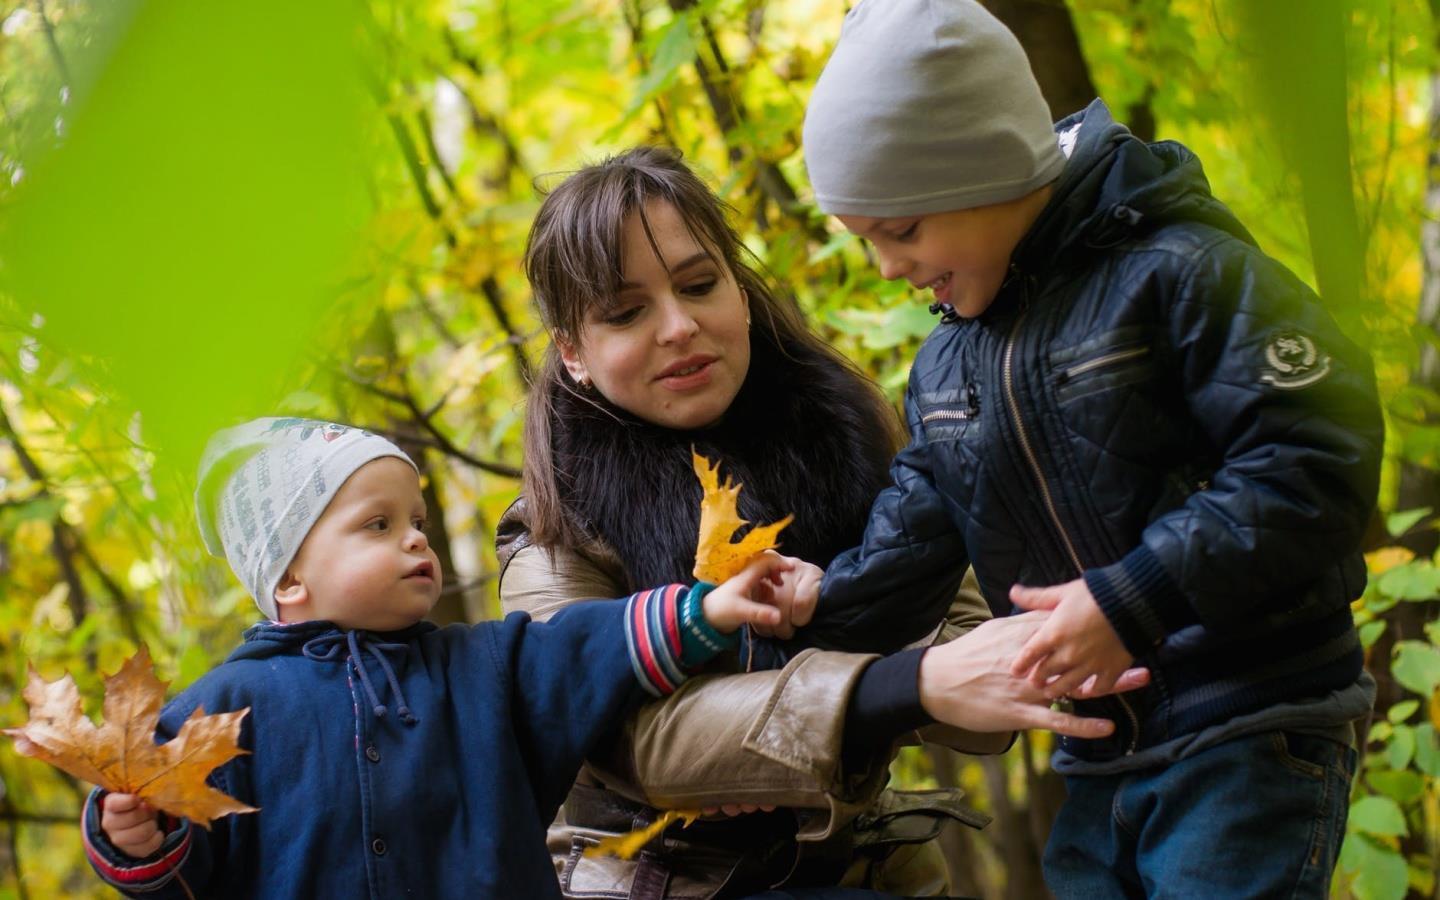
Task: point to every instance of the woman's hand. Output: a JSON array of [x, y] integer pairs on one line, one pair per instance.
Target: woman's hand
[[738, 809], [967, 683]]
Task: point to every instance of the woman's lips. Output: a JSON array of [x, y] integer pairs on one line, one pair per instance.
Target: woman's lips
[[687, 374]]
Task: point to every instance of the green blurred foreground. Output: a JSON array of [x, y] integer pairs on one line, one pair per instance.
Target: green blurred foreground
[[210, 211]]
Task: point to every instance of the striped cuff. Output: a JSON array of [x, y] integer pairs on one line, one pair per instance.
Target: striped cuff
[[123, 871], [699, 641], [652, 636], [1140, 599]]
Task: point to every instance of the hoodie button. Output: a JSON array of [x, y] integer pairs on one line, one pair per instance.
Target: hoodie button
[[372, 754], [378, 845]]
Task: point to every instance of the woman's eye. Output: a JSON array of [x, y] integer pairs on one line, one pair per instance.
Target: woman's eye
[[380, 524], [909, 232], [623, 317], [699, 288]]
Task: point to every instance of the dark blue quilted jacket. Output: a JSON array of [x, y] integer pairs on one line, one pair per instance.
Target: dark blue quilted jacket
[[1153, 403]]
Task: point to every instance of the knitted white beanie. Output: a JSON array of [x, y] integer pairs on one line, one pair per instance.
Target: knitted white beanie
[[265, 483]]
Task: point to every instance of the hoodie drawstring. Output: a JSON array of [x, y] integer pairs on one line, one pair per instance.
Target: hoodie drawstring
[[328, 647]]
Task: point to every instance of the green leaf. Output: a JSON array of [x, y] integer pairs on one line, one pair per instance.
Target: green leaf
[[1400, 522], [1402, 747], [1404, 787], [1379, 873], [1427, 750], [676, 48], [1379, 816], [1402, 711], [1417, 667], [833, 246], [1370, 633], [1416, 580]]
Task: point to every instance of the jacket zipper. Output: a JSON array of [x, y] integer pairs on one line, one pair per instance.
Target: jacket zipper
[[1107, 359], [1007, 377], [948, 414]]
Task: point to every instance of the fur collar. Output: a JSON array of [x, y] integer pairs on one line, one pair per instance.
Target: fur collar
[[796, 437]]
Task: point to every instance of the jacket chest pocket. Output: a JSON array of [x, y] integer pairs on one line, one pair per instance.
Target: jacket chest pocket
[[1114, 359], [951, 415]]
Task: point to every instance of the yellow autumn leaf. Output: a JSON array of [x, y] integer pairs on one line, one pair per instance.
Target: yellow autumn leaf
[[625, 846], [1434, 709], [121, 754], [716, 558], [1386, 558]]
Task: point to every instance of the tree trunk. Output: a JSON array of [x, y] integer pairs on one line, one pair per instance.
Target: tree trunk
[[1047, 33]]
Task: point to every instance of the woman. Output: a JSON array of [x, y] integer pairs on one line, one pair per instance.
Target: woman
[[665, 338]]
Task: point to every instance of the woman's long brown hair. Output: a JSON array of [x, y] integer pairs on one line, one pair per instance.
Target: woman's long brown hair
[[573, 261]]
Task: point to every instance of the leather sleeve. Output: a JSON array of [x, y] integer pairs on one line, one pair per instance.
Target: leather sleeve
[[760, 737]]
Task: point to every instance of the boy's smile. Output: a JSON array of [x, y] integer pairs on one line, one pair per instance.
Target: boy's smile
[[963, 255]]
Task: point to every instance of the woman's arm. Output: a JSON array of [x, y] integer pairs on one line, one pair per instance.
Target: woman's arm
[[765, 737]]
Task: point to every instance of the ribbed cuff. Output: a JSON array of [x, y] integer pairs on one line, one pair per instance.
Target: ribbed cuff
[[699, 641], [1140, 599], [121, 870], [652, 638]]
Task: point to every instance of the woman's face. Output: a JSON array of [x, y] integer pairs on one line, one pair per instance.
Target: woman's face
[[675, 348]]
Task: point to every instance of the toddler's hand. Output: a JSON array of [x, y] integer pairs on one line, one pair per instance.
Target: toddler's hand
[[795, 594], [744, 598], [1076, 647], [131, 825]]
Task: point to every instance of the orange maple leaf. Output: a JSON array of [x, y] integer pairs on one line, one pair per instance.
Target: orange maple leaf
[[716, 558], [121, 755]]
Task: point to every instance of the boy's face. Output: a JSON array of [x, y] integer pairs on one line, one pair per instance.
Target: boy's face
[[962, 255], [366, 563]]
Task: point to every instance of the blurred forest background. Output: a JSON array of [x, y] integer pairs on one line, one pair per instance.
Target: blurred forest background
[[138, 309]]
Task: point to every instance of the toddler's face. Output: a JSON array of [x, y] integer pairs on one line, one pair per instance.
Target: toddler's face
[[367, 563], [962, 255]]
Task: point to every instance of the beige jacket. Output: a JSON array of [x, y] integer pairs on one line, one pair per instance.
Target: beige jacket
[[761, 737]]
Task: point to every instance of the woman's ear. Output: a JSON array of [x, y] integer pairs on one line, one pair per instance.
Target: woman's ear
[[570, 356], [290, 592], [745, 299]]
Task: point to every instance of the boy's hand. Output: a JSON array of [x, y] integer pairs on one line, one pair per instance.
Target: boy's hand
[[131, 825], [795, 593], [1076, 646], [744, 598], [967, 683]]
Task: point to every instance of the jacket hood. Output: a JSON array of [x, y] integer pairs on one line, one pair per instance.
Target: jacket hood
[[268, 639], [1114, 185]]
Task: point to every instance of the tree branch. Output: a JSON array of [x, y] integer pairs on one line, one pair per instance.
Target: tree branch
[[729, 114], [55, 53], [438, 440]]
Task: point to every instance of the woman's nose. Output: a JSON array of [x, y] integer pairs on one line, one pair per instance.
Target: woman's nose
[[677, 325]]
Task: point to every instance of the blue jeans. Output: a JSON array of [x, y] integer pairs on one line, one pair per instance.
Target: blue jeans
[[1258, 816]]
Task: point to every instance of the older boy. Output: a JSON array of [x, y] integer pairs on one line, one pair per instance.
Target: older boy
[[1131, 409]]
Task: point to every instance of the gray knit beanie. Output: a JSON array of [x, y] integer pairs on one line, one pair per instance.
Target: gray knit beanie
[[926, 106], [264, 484]]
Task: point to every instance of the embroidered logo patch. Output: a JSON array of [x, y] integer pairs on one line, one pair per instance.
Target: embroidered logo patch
[[1292, 361]]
